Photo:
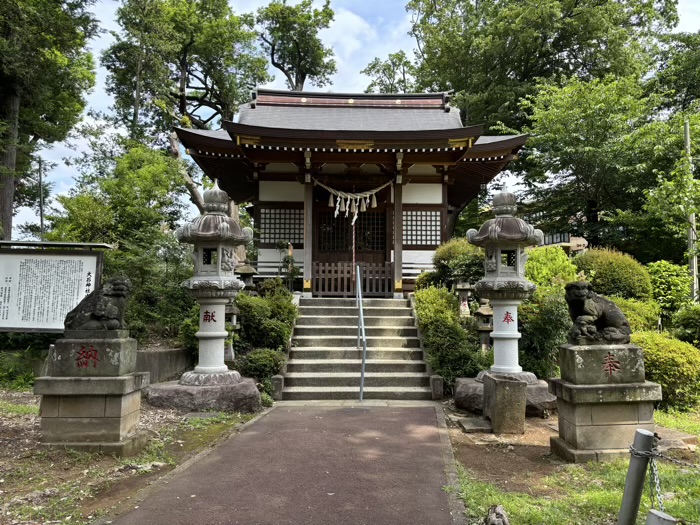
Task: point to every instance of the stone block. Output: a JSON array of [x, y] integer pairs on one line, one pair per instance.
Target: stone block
[[88, 429], [601, 364], [118, 406], [565, 451], [49, 406], [277, 387], [93, 356], [62, 386], [504, 403], [580, 394], [436, 386], [130, 446], [599, 436], [82, 406], [646, 412], [575, 414], [236, 397], [614, 414]]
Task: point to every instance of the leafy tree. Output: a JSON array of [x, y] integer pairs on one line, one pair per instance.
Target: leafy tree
[[396, 74], [679, 70], [493, 52], [289, 36], [135, 207], [45, 72]]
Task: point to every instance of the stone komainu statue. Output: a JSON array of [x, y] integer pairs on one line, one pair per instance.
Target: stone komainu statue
[[103, 309], [597, 320]]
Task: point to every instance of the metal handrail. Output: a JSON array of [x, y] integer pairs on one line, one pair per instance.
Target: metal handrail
[[361, 336]]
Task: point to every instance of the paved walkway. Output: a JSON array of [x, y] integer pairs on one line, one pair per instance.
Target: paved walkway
[[315, 465]]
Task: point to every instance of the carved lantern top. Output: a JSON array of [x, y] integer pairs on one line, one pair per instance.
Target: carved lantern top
[[214, 225], [504, 228]]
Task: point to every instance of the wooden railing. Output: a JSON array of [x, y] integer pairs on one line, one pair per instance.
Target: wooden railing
[[337, 280]]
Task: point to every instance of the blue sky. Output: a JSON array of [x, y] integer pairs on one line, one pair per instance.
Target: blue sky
[[362, 30]]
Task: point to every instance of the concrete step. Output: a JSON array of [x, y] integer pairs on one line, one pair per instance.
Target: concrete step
[[331, 301], [305, 393], [353, 365], [370, 311], [328, 379], [370, 331], [351, 320], [351, 340], [350, 352]]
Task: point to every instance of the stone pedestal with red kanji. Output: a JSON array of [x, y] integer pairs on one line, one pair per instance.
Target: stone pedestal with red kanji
[[91, 399], [602, 398]]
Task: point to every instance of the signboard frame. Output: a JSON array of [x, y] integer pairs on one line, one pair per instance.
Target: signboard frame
[[99, 258]]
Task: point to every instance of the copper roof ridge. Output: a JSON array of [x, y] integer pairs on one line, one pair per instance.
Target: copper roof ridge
[[323, 94]]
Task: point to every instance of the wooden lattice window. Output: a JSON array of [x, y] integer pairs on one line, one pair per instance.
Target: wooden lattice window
[[421, 227], [281, 224], [370, 231], [334, 233]]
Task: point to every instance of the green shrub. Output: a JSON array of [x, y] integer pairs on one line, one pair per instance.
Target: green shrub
[[282, 309], [544, 323], [273, 287], [453, 351], [266, 399], [253, 312], [272, 334], [686, 324], [17, 369], [458, 261], [670, 287], [188, 329], [675, 365], [427, 279], [549, 265], [642, 315], [260, 364], [615, 273]]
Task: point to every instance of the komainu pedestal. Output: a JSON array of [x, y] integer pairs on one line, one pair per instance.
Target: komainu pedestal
[[602, 395], [91, 399]]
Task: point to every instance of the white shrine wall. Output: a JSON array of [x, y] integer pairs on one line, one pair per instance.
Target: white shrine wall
[[422, 194], [280, 191]]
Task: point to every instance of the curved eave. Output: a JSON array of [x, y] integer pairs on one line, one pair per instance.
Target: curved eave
[[313, 136], [211, 142]]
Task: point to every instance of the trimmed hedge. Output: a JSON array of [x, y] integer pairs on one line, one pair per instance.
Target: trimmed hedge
[[675, 365], [549, 265], [642, 315], [453, 351], [261, 364], [614, 273], [458, 261]]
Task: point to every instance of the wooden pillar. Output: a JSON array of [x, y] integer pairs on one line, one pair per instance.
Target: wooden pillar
[[398, 240], [308, 237]]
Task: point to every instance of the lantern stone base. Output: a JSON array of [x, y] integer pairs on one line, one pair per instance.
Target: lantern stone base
[[242, 396], [469, 395], [97, 414], [218, 378]]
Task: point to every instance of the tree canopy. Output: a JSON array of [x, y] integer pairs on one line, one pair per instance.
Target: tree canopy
[[396, 74], [45, 73], [289, 36]]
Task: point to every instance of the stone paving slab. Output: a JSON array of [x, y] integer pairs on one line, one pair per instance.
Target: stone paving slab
[[316, 465]]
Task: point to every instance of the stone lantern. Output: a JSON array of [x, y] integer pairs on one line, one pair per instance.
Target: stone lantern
[[215, 236], [504, 238], [247, 272], [484, 323]]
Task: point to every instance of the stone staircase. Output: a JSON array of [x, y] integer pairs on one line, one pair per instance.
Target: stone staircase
[[324, 362]]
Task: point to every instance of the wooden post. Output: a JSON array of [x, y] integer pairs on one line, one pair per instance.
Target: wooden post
[[398, 241], [308, 238]]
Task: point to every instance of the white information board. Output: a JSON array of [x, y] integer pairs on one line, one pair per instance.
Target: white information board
[[38, 288]]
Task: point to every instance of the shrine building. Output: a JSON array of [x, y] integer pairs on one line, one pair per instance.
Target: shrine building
[[374, 179]]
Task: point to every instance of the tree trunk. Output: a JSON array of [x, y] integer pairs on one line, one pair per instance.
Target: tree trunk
[[137, 98], [10, 114], [452, 219], [195, 195]]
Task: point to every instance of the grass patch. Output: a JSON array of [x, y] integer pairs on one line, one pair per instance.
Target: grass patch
[[16, 409], [586, 494], [684, 421]]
